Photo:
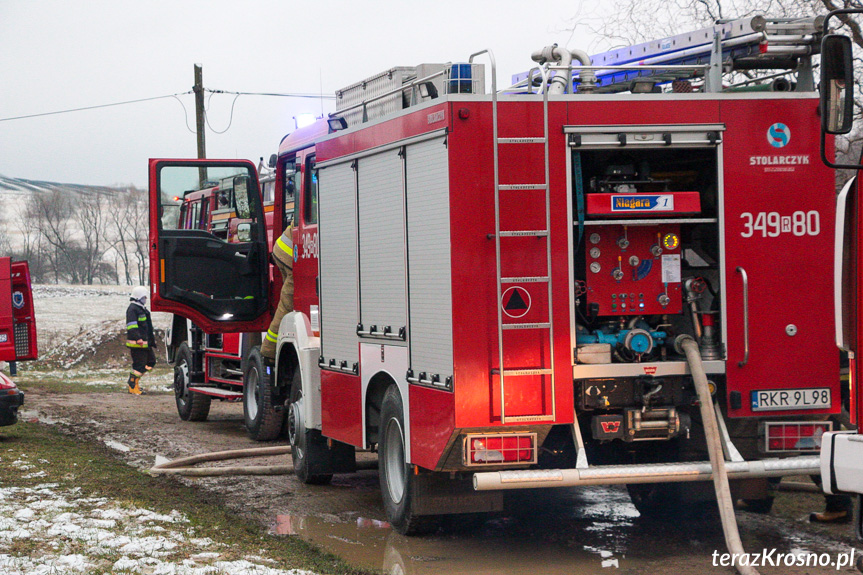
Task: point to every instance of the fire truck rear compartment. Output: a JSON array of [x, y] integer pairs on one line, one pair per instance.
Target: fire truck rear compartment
[[646, 250]]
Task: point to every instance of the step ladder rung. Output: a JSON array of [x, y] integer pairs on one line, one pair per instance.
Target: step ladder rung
[[540, 325], [539, 140], [534, 371], [520, 187], [524, 280], [524, 233]]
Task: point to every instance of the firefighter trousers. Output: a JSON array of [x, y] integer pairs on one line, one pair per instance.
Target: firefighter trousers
[[286, 304]]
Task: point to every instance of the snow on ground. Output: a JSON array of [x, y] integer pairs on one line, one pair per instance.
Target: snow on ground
[[63, 311], [66, 532]]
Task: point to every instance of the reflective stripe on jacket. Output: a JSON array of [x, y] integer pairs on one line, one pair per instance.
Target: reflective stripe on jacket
[[139, 326], [283, 249]]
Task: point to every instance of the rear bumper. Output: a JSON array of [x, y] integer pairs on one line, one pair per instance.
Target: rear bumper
[[9, 404], [645, 473]]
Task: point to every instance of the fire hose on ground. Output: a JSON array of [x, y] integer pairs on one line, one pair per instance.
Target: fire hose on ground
[[689, 347], [184, 465]]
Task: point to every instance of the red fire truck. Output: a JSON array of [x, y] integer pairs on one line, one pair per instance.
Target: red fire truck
[[494, 289], [17, 332], [210, 365], [842, 451]]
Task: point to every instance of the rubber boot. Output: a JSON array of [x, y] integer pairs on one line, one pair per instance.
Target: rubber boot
[[830, 517], [135, 384]]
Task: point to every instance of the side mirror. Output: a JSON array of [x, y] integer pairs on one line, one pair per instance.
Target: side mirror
[[837, 84], [273, 159], [244, 232]]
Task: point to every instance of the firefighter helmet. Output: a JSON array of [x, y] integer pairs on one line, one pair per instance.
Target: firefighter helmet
[[139, 293]]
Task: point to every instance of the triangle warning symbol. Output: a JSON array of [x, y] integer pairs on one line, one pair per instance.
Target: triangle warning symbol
[[516, 302]]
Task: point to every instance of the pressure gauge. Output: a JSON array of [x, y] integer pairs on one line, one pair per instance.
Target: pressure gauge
[[634, 261], [595, 267], [594, 238], [670, 241], [594, 252]]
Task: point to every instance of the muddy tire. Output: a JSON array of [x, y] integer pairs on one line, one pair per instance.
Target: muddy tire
[[309, 451], [190, 405], [260, 417], [396, 475], [656, 500]]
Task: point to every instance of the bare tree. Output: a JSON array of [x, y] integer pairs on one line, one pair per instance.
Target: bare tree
[[139, 231], [51, 215], [89, 215]]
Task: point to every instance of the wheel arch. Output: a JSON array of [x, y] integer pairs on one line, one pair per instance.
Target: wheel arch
[[298, 349], [179, 333], [377, 387]]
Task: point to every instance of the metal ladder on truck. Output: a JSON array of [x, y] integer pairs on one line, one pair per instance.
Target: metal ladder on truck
[[505, 372], [745, 44]]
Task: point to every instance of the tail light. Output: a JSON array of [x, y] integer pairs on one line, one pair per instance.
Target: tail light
[[500, 449], [795, 435]]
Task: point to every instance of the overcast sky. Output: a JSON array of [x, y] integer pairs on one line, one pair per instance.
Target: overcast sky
[[62, 54]]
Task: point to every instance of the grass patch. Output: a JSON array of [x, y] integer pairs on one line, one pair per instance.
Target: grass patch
[[27, 449], [92, 381]]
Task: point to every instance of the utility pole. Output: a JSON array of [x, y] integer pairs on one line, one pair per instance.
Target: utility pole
[[199, 120]]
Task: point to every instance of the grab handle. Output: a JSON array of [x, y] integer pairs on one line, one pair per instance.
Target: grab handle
[[745, 317]]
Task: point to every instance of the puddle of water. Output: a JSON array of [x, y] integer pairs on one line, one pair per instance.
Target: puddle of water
[[488, 548]]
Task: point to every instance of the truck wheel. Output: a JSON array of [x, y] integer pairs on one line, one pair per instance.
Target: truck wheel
[[308, 447], [190, 405], [396, 476], [655, 500], [262, 421]]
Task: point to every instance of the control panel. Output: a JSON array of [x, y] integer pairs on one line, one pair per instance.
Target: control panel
[[633, 270]]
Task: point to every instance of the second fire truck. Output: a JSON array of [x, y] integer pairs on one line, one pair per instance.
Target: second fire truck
[[496, 289]]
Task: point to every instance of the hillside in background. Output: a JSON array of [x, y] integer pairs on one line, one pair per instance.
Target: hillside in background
[[74, 233]]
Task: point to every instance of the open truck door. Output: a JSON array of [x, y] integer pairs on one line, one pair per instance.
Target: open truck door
[[842, 451], [221, 284]]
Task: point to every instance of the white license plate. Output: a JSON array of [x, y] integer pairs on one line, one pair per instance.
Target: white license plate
[[780, 399]]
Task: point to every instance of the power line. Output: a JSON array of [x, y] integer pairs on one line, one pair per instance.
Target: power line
[[95, 107], [288, 95]]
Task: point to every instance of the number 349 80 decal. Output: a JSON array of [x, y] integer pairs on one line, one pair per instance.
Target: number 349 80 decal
[[772, 224]]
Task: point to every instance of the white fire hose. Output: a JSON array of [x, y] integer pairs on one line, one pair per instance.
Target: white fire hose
[[183, 466], [714, 447]]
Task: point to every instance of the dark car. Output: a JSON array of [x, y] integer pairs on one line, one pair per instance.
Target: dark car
[[11, 398]]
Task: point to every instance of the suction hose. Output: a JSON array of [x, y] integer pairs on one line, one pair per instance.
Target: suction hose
[[183, 466], [689, 347]]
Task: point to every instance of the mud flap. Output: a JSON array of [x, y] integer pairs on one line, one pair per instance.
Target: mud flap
[[329, 457], [437, 494]]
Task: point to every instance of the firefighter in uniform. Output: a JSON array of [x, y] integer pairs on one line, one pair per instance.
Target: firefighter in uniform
[[283, 257], [139, 338]]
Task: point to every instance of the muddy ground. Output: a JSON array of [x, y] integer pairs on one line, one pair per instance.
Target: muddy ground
[[568, 531]]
